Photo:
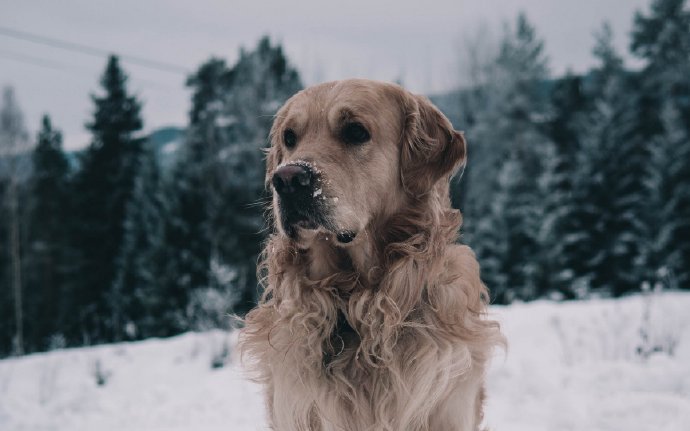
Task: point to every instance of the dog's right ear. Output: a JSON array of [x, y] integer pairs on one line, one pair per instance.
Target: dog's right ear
[[431, 149]]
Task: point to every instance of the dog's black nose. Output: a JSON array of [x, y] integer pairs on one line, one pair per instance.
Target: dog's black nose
[[291, 180]]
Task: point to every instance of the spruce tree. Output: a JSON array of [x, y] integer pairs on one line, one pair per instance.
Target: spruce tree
[[49, 251], [215, 230], [510, 143], [662, 39], [564, 235], [104, 185], [192, 192], [259, 83], [618, 172], [494, 241], [146, 308], [668, 252]]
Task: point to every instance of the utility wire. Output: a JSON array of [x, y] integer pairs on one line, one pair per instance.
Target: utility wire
[[90, 50], [38, 61]]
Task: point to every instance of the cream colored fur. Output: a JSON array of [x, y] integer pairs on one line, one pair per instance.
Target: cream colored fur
[[388, 332]]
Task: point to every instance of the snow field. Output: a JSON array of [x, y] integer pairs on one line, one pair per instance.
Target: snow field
[[569, 366]]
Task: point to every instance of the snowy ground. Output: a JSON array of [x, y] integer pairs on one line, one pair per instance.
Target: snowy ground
[[570, 366]]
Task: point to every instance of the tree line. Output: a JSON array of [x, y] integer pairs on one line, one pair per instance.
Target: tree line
[[111, 243], [580, 185], [577, 185]]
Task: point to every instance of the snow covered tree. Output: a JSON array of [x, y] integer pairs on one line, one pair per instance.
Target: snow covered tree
[[14, 145], [563, 234], [618, 162], [191, 189], [145, 307], [104, 186], [494, 238], [259, 83], [509, 145], [48, 239], [662, 39], [215, 230], [668, 253]]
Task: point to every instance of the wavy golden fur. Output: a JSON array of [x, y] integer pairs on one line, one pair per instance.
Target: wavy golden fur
[[387, 332]]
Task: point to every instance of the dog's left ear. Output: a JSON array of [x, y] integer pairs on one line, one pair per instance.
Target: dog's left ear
[[431, 148]]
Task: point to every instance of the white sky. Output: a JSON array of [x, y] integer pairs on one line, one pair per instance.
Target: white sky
[[418, 42]]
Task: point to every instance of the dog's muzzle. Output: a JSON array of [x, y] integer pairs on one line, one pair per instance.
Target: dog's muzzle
[[299, 200]]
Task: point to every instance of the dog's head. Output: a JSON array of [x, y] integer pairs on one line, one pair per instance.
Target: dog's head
[[348, 153]]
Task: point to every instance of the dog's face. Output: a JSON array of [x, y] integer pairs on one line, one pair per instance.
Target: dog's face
[[346, 153]]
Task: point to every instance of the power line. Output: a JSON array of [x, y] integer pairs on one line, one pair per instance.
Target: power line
[[41, 62], [90, 50]]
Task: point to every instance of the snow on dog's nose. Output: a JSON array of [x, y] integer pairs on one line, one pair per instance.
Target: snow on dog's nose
[[291, 181]]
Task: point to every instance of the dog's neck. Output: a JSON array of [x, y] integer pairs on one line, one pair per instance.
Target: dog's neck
[[325, 257]]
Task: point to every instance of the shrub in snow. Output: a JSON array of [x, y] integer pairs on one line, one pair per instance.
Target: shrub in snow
[[100, 374], [614, 332], [220, 355], [659, 332], [57, 342], [210, 308]]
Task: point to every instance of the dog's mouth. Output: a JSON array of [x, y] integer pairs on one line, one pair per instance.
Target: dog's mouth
[[299, 215], [294, 221], [294, 229]]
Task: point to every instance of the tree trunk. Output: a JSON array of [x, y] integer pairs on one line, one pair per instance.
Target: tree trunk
[[16, 271]]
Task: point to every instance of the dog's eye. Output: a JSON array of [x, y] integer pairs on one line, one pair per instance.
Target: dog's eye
[[289, 138], [355, 133]]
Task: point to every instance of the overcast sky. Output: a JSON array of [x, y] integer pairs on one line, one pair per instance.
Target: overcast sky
[[417, 42]]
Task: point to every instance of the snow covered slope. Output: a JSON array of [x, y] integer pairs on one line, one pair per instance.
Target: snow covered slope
[[570, 366], [575, 366]]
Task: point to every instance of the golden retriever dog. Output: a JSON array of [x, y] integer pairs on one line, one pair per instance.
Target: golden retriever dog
[[372, 317]]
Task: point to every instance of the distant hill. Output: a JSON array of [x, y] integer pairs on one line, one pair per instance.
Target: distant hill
[[163, 137], [166, 141]]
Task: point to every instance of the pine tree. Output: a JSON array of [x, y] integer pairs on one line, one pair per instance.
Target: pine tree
[[260, 82], [618, 171], [49, 253], [146, 308], [215, 231], [104, 185], [493, 235], [564, 235], [509, 143], [668, 253], [188, 230], [662, 39]]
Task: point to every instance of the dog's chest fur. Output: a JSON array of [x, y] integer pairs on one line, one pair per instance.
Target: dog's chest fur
[[342, 343], [348, 391]]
